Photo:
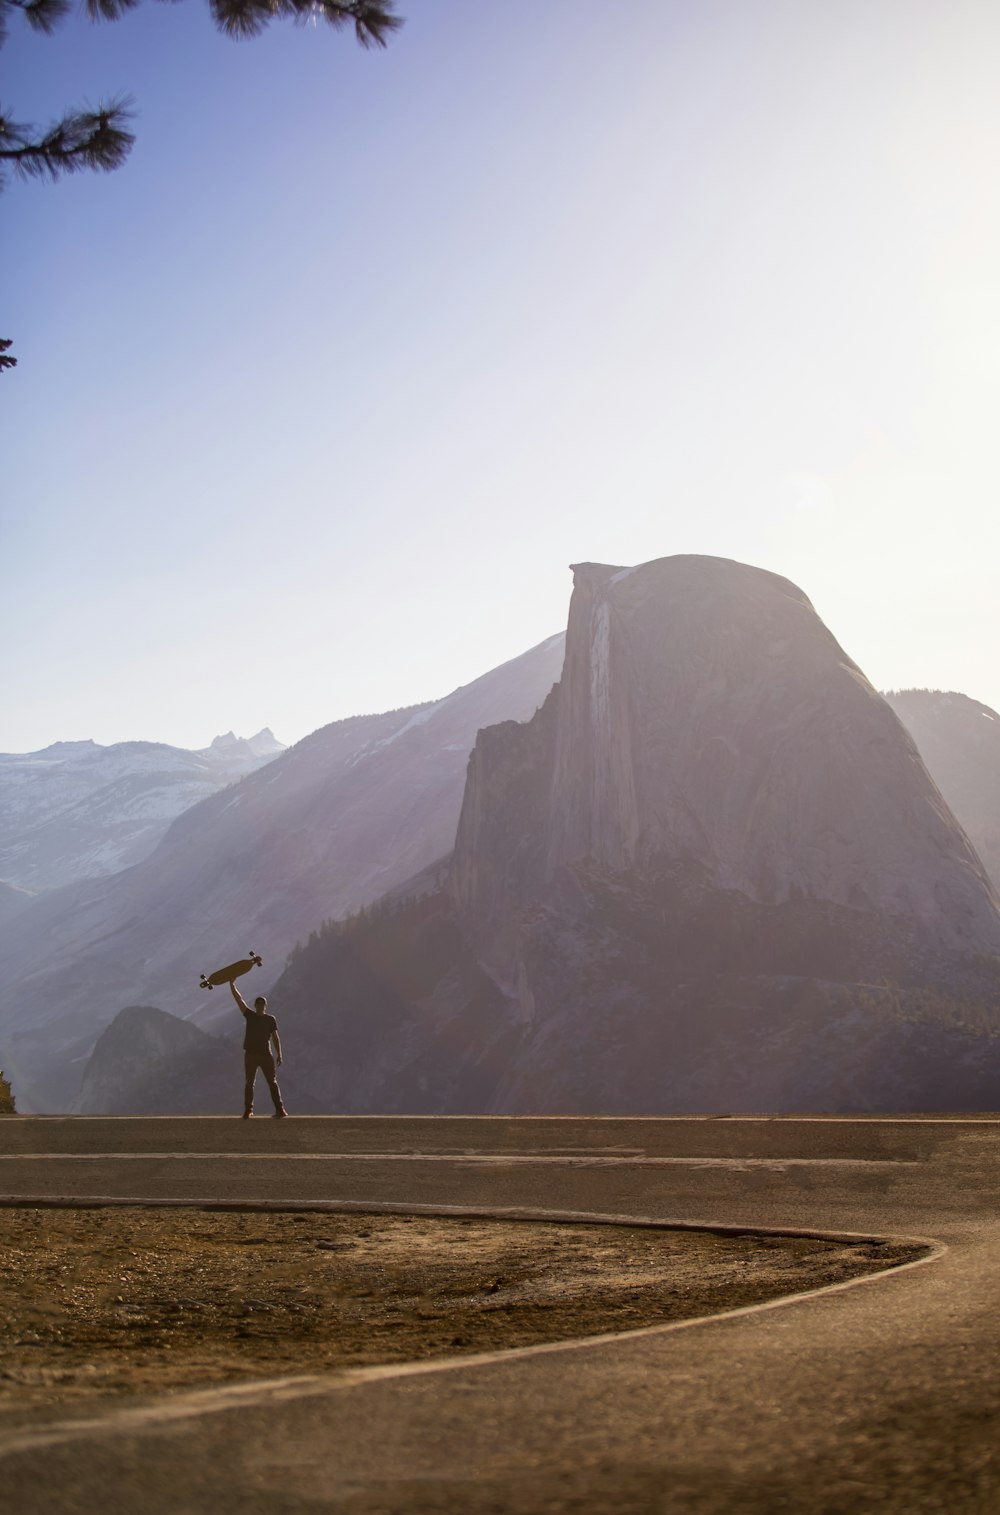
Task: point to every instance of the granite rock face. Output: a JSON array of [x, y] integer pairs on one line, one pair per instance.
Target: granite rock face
[[145, 1053], [712, 871], [706, 717]]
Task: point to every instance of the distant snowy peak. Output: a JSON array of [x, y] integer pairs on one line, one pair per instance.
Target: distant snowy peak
[[264, 744], [78, 810], [68, 749]]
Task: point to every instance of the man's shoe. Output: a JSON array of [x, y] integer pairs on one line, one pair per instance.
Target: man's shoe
[[248, 1115], [278, 1114]]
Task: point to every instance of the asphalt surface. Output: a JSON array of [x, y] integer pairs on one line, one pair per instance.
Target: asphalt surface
[[880, 1395]]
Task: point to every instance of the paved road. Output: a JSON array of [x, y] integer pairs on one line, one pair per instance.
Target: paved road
[[883, 1396]]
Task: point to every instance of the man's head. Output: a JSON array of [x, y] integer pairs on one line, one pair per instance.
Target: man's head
[[260, 1004]]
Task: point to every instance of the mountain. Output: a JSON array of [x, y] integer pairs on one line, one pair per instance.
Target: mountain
[[76, 810], [146, 1061], [264, 745], [711, 872], [324, 828], [959, 740], [145, 1055]]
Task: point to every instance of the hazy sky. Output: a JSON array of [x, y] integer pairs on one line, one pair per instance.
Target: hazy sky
[[319, 395]]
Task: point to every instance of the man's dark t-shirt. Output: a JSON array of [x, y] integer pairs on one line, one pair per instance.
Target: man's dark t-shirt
[[260, 1029]]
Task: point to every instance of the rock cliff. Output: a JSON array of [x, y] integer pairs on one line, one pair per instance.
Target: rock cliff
[[147, 1060], [712, 870], [707, 718]]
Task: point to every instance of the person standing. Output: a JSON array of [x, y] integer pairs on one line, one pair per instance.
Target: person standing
[[261, 1033]]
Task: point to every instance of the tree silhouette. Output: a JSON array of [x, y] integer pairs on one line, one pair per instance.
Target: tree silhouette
[[7, 1105], [99, 138]]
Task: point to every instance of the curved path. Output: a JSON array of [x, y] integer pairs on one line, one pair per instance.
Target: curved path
[[883, 1395]]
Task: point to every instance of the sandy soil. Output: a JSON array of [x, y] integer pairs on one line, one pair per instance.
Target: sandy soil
[[105, 1303]]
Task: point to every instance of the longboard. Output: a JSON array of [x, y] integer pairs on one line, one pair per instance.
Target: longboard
[[233, 971]]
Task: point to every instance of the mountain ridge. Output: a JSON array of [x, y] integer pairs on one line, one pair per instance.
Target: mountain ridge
[[325, 827], [959, 740], [77, 810]]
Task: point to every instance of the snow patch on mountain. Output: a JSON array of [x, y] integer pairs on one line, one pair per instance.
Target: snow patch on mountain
[[76, 810]]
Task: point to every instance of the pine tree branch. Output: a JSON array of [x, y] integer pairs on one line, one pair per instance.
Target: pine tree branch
[[99, 139], [41, 15], [374, 21], [109, 10], [96, 139]]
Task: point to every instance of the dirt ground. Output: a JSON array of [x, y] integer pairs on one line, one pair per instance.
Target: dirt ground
[[101, 1303]]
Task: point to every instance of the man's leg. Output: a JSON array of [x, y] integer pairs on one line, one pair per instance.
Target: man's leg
[[250, 1067], [267, 1064]]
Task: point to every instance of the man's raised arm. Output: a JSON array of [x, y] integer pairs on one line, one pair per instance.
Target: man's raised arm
[[241, 1002]]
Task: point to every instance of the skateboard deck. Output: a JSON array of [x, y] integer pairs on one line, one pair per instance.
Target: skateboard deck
[[234, 971]]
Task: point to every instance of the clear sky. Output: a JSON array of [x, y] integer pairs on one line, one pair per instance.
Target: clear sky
[[319, 394]]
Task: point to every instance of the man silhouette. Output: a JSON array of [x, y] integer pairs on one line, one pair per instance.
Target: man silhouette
[[261, 1031]]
